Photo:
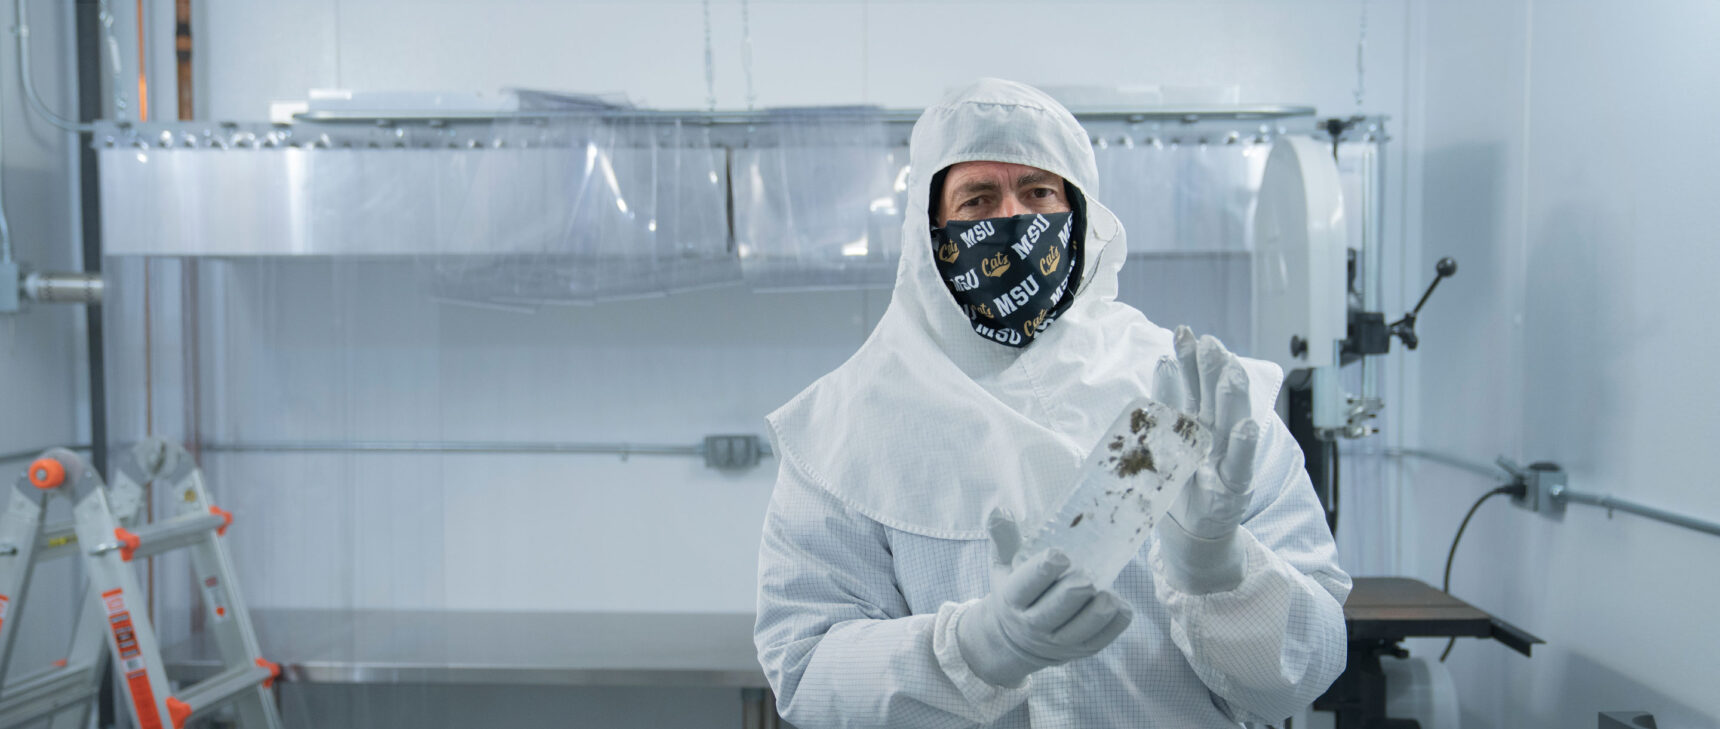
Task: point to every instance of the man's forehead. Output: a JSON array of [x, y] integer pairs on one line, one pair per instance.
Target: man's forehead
[[979, 170]]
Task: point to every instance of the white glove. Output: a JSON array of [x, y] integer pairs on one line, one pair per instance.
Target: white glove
[[1042, 613], [1198, 541]]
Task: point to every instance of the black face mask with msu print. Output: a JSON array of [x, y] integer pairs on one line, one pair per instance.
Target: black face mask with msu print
[[1011, 276]]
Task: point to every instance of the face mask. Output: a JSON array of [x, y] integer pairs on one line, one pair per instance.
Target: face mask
[[1009, 275]]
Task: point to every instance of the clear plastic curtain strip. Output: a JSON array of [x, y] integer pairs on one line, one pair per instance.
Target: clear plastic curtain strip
[[1182, 195], [576, 209], [1188, 205], [819, 196]]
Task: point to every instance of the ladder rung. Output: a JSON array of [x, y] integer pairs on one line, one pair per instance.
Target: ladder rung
[[163, 536], [222, 687], [45, 692], [57, 540]]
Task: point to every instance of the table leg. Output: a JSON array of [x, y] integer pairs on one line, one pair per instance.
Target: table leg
[[758, 709], [1357, 699]]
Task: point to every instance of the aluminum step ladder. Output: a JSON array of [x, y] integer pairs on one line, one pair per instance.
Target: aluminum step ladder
[[63, 693], [109, 543]]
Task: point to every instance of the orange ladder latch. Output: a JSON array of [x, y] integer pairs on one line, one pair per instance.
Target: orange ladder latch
[[226, 519], [128, 543], [179, 711], [274, 671]]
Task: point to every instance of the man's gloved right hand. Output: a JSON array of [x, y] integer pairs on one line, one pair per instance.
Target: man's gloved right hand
[[1040, 613], [1198, 539]]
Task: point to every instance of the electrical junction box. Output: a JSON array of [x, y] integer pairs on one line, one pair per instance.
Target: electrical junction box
[[10, 286], [1541, 480]]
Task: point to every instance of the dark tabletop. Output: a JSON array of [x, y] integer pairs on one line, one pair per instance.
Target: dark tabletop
[[1400, 607]]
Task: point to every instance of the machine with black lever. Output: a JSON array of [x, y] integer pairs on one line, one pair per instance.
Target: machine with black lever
[[1368, 335], [1317, 299]]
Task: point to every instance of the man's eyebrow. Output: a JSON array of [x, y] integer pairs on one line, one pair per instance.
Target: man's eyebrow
[[974, 186], [1032, 178]]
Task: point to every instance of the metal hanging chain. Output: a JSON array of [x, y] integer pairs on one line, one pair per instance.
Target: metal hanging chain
[[865, 51], [746, 50], [710, 64], [1361, 53]]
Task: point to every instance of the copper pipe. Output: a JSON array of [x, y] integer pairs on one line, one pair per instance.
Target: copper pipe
[[142, 79], [182, 52]]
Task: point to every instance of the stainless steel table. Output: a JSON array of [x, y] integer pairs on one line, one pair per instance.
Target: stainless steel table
[[709, 650]]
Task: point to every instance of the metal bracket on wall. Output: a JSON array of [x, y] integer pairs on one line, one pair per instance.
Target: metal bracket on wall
[[18, 288]]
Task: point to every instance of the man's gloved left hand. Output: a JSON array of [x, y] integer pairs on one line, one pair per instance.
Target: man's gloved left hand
[[1043, 612], [1198, 541]]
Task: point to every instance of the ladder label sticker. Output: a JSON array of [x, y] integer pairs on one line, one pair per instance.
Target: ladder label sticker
[[131, 661], [215, 598], [4, 601]]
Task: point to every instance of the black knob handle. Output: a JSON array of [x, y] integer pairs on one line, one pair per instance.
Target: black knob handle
[[1446, 268], [1405, 330]]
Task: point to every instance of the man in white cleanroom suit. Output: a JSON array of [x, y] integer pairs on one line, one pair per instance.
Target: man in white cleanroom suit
[[889, 592]]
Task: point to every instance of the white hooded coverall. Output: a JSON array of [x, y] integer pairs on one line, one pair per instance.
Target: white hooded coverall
[[875, 540]]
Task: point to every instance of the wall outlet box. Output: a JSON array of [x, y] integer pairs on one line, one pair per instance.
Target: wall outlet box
[[1539, 481]]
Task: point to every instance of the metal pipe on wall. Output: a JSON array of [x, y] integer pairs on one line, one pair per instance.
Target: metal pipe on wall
[[1479, 469], [90, 19], [1610, 503], [474, 447]]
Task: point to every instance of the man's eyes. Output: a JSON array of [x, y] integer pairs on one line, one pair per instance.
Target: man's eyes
[[984, 201]]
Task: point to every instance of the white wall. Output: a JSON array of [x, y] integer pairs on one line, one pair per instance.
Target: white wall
[[901, 54], [348, 351], [895, 54], [1557, 170], [1554, 148], [41, 379]]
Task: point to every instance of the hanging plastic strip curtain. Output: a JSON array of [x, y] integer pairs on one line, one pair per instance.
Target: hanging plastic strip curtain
[[576, 209], [819, 195], [590, 205], [172, 189], [1180, 196], [558, 210]]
